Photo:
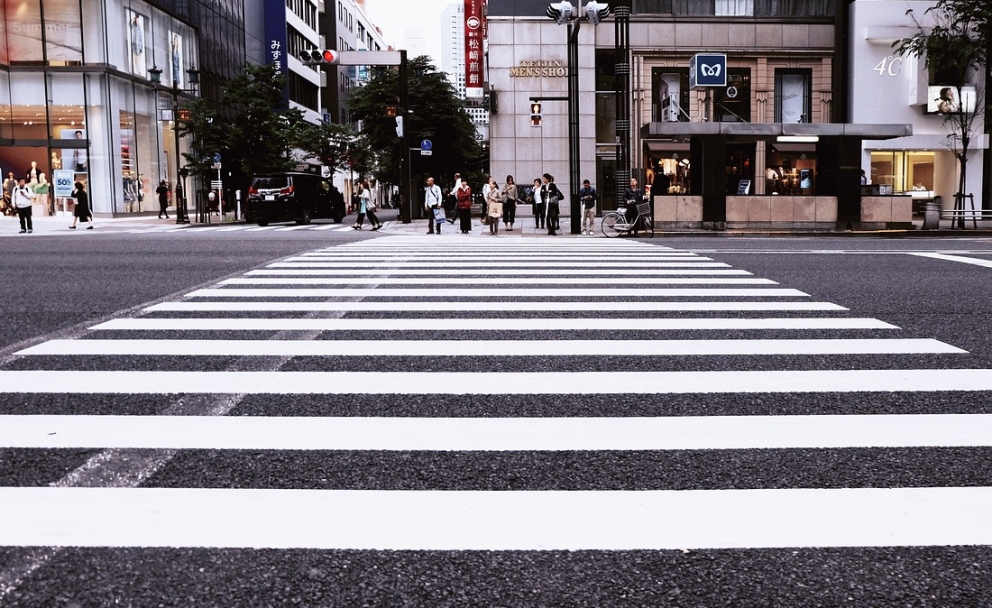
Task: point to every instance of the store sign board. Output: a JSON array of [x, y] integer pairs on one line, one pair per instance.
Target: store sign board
[[707, 70], [475, 26], [276, 45], [63, 182]]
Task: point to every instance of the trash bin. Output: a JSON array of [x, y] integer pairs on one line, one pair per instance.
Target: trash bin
[[931, 215]]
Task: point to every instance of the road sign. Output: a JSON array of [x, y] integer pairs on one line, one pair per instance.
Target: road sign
[[426, 145]]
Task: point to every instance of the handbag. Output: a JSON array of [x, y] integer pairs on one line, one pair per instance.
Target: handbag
[[439, 214]]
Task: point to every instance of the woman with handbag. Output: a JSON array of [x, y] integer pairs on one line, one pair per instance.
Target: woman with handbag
[[553, 199], [370, 206], [510, 203], [463, 196], [494, 207]]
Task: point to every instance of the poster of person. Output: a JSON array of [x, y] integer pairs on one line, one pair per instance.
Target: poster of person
[[74, 159], [176, 58], [136, 42]]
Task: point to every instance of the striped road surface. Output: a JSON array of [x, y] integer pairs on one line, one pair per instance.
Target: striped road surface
[[501, 422]]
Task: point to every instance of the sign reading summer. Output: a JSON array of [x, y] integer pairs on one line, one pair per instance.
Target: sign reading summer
[[540, 69]]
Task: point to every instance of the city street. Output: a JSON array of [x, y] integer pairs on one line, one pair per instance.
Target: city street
[[328, 417]]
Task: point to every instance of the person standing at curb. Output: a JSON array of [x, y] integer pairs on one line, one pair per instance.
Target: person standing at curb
[[494, 206], [82, 211], [539, 206], [509, 203], [22, 197], [432, 201], [588, 197], [464, 197], [552, 196]]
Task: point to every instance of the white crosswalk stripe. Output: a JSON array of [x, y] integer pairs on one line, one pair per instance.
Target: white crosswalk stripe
[[374, 345]]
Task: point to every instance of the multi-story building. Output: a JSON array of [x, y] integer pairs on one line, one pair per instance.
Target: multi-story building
[[772, 145], [346, 28], [77, 94]]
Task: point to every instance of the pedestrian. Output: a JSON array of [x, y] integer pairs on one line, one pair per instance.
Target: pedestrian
[[163, 199], [41, 190], [22, 198], [588, 196], [633, 195], [509, 203], [451, 200], [361, 205], [494, 206], [539, 206], [864, 178], [370, 205], [464, 197], [552, 197], [82, 211], [8, 193], [432, 201]]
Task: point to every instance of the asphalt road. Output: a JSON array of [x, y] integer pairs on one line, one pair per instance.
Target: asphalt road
[[203, 520]]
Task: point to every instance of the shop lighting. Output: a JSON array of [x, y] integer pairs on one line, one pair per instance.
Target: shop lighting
[[797, 139]]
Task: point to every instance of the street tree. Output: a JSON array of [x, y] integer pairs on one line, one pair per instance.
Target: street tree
[[336, 146], [953, 44], [205, 133], [436, 113]]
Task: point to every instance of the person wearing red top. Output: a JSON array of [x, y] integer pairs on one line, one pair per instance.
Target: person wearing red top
[[463, 196]]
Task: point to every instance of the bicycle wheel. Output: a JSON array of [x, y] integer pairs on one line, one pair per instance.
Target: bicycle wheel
[[648, 225], [609, 225]]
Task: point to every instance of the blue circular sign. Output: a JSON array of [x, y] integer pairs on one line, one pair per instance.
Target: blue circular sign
[[426, 144]]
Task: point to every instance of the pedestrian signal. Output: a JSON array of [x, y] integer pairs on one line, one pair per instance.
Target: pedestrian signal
[[535, 114]]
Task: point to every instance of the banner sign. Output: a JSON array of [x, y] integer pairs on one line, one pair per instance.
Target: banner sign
[[475, 27], [63, 182], [276, 47]]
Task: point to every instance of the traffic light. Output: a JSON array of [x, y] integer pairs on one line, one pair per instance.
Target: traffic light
[[597, 11], [317, 57], [561, 12], [535, 114], [399, 126]]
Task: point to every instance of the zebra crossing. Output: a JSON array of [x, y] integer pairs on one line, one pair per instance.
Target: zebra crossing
[[501, 353]]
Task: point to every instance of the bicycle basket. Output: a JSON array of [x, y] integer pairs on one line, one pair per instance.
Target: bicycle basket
[[644, 208]]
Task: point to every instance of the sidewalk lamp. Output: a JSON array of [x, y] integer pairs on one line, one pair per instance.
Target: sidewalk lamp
[[563, 13], [182, 217]]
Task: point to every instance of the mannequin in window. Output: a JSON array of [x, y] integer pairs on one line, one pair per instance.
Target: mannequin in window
[[56, 162], [32, 173]]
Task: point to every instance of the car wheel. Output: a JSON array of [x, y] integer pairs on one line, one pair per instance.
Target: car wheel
[[263, 222]]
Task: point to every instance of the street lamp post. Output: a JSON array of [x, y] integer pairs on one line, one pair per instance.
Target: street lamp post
[[562, 12], [182, 217]]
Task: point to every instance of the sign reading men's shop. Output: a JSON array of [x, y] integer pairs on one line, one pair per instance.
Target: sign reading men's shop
[[539, 69], [707, 70], [475, 26]]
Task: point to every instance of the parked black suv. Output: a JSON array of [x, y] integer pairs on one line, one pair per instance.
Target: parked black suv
[[293, 196]]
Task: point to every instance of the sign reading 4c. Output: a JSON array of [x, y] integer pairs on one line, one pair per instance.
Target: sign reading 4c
[[890, 66]]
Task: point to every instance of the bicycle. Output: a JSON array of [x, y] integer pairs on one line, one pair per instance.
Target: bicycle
[[615, 223]]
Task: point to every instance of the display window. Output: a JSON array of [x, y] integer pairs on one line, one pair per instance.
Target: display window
[[904, 171], [790, 169]]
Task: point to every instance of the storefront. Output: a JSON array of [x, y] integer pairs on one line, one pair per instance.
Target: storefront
[[76, 96]]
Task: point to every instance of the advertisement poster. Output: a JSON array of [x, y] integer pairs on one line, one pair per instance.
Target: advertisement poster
[[136, 42], [74, 159], [176, 58]]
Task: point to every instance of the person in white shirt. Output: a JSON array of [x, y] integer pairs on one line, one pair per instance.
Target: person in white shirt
[[432, 201], [22, 198]]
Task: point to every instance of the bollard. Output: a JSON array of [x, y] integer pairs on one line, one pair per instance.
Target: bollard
[[931, 216]]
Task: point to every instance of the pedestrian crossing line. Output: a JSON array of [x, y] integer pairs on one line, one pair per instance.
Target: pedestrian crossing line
[[492, 348], [440, 292], [493, 383], [440, 272], [260, 228], [493, 255], [325, 227], [496, 434], [619, 265], [231, 229], [411, 520], [199, 229], [291, 228], [465, 306], [587, 324], [956, 258], [499, 281]]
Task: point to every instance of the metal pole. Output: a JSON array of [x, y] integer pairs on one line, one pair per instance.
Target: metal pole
[[621, 12], [180, 195], [406, 205], [573, 126]]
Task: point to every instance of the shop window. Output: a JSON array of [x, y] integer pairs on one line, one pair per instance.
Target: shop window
[[670, 94], [905, 171], [734, 8], [606, 60], [606, 118], [693, 7], [793, 96], [63, 33], [790, 168], [24, 32], [733, 102]]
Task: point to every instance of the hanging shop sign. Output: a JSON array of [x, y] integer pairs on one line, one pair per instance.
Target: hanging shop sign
[[539, 69]]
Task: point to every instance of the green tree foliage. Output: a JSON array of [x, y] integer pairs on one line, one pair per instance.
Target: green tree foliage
[[263, 131], [954, 49], [207, 138], [336, 146], [436, 114]]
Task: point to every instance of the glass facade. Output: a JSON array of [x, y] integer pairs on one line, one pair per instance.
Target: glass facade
[[76, 94]]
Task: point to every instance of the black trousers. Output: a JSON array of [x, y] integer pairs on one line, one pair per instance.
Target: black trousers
[[24, 214], [539, 214], [553, 219], [509, 211]]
